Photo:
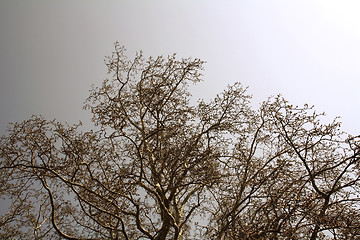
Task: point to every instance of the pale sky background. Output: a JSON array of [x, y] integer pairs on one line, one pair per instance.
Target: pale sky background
[[51, 52]]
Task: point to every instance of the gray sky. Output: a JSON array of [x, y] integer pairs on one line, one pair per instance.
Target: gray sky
[[52, 51]]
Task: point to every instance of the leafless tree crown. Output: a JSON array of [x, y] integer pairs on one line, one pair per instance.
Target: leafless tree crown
[[157, 167]]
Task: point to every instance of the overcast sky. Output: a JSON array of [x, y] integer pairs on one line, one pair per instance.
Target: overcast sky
[[51, 52]]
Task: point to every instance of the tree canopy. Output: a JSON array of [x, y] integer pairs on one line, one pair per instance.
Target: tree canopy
[[157, 167]]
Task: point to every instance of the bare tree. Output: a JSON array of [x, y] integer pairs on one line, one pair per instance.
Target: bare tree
[[292, 177], [155, 165]]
